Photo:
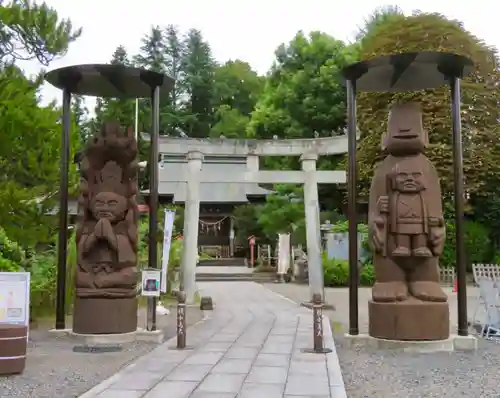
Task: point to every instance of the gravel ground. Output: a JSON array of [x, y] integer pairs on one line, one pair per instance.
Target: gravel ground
[[374, 373], [53, 370]]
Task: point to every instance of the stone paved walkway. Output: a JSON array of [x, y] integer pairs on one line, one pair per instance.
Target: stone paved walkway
[[251, 347]]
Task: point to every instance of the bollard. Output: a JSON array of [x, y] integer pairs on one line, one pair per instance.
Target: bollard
[[317, 309], [181, 320]]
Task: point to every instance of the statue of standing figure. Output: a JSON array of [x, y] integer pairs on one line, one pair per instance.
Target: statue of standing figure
[[106, 276], [407, 234]]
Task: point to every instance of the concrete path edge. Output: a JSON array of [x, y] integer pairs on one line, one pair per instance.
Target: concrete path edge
[[100, 387]]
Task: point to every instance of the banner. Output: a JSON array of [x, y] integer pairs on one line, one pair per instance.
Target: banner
[[167, 242], [15, 297]]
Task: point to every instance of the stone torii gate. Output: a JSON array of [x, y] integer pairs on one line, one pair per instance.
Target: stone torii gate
[[193, 174]]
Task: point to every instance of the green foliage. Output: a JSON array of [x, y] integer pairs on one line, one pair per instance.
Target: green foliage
[[246, 222], [477, 244], [303, 93], [336, 273], [480, 93], [29, 159], [30, 30], [283, 211]]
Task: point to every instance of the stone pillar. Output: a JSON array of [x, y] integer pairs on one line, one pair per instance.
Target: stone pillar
[[191, 221], [252, 162], [231, 236], [313, 235]]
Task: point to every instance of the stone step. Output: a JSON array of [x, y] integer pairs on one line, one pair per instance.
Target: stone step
[[228, 277], [223, 262]]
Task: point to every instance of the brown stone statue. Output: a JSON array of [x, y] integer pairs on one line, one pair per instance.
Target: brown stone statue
[[106, 276], [407, 235]]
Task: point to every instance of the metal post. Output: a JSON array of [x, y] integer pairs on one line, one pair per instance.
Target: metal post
[[458, 175], [63, 214], [351, 209], [153, 200], [181, 320]]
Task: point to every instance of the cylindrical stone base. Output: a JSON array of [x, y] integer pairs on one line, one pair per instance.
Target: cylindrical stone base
[[105, 316], [409, 320], [13, 342]]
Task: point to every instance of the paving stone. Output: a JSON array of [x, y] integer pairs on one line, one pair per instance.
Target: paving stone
[[204, 358], [283, 331], [307, 385], [189, 373], [224, 337], [121, 394], [138, 380], [242, 353], [216, 346], [201, 394], [238, 366], [308, 368], [267, 374], [172, 389], [338, 392], [222, 382], [256, 390], [272, 360], [277, 348]]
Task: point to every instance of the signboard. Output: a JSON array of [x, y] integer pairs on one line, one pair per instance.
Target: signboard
[[251, 240], [151, 282], [167, 242], [15, 297]]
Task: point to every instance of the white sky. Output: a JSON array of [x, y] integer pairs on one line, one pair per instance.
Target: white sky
[[248, 30]]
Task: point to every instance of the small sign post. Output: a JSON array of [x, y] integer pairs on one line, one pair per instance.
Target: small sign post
[[150, 288], [181, 320]]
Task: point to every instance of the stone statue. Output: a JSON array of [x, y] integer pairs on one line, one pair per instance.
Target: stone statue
[[407, 232], [106, 276]]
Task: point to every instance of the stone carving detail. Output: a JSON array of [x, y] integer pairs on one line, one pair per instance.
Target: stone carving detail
[[107, 229], [406, 224]]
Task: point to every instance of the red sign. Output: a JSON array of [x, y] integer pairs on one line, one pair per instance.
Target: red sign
[[251, 240]]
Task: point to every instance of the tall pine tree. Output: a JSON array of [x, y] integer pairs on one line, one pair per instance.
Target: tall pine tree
[[198, 82], [120, 109]]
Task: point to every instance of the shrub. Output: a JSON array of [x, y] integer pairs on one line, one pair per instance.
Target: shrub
[[477, 244], [336, 273]]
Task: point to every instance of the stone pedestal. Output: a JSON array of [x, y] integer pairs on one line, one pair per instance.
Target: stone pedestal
[[105, 316], [411, 320]]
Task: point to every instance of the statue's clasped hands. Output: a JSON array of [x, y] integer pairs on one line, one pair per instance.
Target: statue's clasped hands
[[103, 229]]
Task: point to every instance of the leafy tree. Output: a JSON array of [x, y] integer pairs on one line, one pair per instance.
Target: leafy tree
[[379, 17], [283, 211], [171, 115], [236, 91], [198, 71], [29, 159], [303, 93], [80, 114], [121, 109], [152, 52], [480, 93], [33, 31]]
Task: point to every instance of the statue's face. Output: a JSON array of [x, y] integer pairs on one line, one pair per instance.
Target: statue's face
[[409, 182], [405, 130], [109, 205]]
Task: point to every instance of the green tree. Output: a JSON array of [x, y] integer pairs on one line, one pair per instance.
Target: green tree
[[283, 211], [236, 90], [30, 30], [152, 51], [120, 109], [29, 159], [80, 113], [480, 93], [198, 71], [303, 94]]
